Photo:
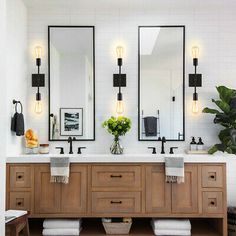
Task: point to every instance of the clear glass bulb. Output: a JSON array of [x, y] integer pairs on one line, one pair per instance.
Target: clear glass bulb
[[195, 52], [119, 51], [120, 107], [195, 106], [38, 52], [38, 107]]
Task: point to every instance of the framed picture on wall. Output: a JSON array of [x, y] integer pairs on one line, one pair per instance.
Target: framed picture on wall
[[71, 121]]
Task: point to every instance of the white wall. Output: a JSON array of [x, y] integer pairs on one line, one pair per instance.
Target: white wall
[[2, 114], [209, 26], [16, 67]]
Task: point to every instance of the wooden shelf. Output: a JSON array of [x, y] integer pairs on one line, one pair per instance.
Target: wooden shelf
[[140, 227]]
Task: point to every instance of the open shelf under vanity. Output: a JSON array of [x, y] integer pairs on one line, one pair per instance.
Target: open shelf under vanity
[[140, 227]]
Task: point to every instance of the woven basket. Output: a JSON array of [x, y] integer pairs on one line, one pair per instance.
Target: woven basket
[[117, 227]]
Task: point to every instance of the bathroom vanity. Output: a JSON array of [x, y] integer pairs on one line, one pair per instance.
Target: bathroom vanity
[[121, 186]]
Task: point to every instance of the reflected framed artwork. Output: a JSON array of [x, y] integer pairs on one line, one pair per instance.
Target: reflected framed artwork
[[71, 121]]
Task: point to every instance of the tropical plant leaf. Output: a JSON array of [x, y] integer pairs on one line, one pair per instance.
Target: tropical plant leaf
[[212, 150], [223, 134], [225, 107], [225, 93], [209, 110]]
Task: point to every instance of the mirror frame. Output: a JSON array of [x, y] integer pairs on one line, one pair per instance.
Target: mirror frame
[[139, 79], [49, 88]]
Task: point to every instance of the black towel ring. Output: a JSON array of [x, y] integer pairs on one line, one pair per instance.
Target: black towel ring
[[16, 104]]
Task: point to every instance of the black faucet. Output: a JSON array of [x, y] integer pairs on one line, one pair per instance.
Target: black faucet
[[70, 141], [163, 140]]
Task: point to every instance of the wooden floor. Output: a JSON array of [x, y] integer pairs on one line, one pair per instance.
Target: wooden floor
[[140, 227]]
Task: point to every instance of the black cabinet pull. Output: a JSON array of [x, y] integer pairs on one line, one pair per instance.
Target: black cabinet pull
[[116, 202], [212, 176], [19, 176], [18, 203], [116, 176], [212, 203]]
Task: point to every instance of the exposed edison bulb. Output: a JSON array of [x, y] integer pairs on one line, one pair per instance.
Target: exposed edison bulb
[[195, 106], [38, 52], [119, 107], [195, 52], [38, 107], [119, 51]]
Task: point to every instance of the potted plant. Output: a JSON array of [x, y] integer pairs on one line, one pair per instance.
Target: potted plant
[[117, 126], [226, 117]]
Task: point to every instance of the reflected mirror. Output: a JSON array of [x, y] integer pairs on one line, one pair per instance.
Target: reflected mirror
[[161, 82], [71, 82]]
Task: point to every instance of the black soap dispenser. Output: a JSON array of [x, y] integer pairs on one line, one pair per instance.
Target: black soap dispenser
[[193, 145], [200, 144]]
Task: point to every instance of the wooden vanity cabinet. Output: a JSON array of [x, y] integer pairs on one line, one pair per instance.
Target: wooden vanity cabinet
[[119, 190]]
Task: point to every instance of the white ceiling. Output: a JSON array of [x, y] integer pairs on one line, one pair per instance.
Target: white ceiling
[[129, 4]]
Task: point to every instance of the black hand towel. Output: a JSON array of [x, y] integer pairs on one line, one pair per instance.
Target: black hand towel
[[150, 125], [17, 124], [20, 125]]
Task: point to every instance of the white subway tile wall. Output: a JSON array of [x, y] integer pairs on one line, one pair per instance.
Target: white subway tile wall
[[211, 27]]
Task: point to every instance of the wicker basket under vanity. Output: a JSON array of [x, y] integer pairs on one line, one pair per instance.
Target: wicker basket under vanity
[[117, 227]]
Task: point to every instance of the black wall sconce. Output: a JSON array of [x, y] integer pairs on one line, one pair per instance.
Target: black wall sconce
[[195, 80], [38, 80], [119, 80]]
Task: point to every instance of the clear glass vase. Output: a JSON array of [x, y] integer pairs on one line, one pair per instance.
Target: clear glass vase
[[116, 147]]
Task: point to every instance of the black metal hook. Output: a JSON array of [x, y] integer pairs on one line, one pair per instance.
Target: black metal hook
[[15, 102]]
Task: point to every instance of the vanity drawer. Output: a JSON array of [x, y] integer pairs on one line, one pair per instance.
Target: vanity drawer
[[19, 201], [116, 176], [212, 202], [212, 176], [116, 202], [20, 176]]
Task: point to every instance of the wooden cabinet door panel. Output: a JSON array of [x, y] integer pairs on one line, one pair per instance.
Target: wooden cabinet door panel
[[185, 195], [116, 202], [20, 201], [158, 192], [20, 176], [212, 176], [212, 202], [74, 194], [116, 176], [47, 195]]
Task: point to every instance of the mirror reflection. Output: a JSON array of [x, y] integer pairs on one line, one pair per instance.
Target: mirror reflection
[[71, 77], [161, 82]]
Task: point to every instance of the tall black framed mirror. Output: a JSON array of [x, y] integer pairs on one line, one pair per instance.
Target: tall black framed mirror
[[71, 71], [161, 69]]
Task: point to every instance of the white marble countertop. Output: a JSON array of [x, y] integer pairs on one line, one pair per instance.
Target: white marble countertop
[[125, 158]]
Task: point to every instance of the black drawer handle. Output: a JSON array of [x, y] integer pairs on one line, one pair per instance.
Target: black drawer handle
[[212, 177], [212, 203], [116, 202], [116, 176], [19, 203], [19, 176]]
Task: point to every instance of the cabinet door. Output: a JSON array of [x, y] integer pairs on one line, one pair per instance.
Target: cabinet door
[[74, 194], [47, 194], [185, 195], [158, 192]]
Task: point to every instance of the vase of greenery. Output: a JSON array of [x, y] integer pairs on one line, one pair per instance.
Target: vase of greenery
[[226, 117], [117, 126]]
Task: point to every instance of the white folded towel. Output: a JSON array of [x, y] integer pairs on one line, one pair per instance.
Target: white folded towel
[[58, 232], [172, 232], [62, 223], [173, 224]]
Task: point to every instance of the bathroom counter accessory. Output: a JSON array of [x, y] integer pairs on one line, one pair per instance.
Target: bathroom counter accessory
[[125, 158]]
